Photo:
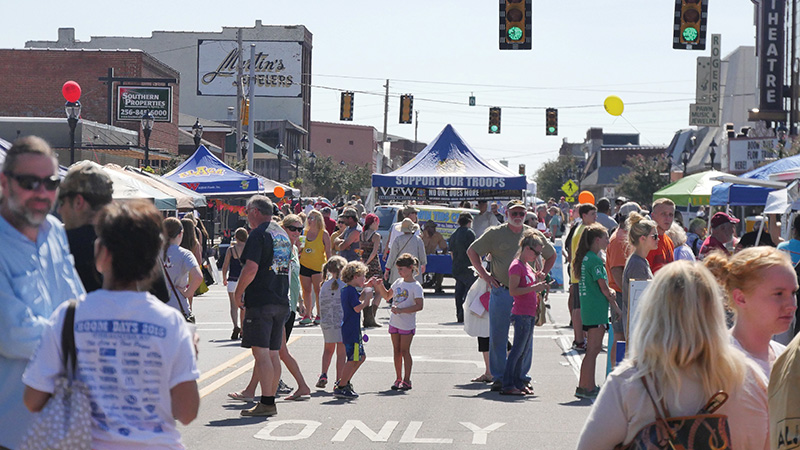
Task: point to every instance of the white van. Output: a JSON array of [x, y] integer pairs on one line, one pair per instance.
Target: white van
[[446, 218]]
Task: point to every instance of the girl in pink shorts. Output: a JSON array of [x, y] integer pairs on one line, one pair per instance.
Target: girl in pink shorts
[[406, 295]]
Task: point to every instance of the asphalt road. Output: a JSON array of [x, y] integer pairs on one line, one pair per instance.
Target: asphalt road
[[443, 409]]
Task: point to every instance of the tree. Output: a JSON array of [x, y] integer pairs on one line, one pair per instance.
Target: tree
[[553, 174], [645, 177], [172, 164], [331, 179]]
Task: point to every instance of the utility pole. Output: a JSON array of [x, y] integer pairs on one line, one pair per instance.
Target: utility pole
[[251, 91], [239, 96], [385, 120], [416, 125]]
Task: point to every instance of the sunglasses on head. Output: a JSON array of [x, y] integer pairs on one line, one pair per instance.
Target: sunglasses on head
[[32, 182], [294, 228]]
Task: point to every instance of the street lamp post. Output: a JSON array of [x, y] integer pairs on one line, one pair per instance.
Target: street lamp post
[[781, 132], [296, 163], [147, 126], [713, 152], [73, 110], [685, 158], [197, 130], [279, 148], [243, 144]]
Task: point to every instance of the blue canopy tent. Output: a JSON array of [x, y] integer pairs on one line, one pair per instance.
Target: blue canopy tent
[[448, 169], [744, 195], [205, 173]]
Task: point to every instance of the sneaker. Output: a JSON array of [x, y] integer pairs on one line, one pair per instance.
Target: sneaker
[[305, 321], [580, 348], [590, 394], [527, 388], [345, 392], [316, 320], [283, 388], [323, 381], [260, 410], [236, 333], [497, 386], [398, 383]]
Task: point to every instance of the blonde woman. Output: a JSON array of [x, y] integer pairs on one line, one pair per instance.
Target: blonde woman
[[315, 249], [643, 236], [760, 283], [682, 348]]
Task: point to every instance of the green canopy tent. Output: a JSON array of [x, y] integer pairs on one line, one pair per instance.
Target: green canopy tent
[[694, 189]]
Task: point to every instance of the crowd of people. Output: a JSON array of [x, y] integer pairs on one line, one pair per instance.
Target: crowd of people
[[699, 327]]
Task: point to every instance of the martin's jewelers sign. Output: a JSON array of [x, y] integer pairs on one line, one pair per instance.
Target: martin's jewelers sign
[[278, 68], [134, 101]]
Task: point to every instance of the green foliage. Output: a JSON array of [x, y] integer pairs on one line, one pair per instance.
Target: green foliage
[[172, 164], [552, 175], [331, 179], [645, 177]]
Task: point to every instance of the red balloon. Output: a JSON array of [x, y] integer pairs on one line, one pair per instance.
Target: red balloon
[[71, 91]]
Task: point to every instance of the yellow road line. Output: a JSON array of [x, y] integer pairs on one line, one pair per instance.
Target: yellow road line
[[235, 374]]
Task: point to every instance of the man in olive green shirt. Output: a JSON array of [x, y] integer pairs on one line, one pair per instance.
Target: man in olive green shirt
[[502, 243]]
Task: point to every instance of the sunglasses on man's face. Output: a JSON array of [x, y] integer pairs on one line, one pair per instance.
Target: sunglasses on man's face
[[294, 228], [517, 213], [32, 182]]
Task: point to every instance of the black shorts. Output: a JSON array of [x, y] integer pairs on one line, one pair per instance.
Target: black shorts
[[306, 272], [483, 344], [263, 326], [576, 295], [604, 326], [289, 324]]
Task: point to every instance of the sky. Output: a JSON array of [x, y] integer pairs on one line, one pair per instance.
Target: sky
[[444, 51]]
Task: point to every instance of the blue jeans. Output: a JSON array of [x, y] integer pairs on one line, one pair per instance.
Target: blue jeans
[[514, 376], [500, 303]]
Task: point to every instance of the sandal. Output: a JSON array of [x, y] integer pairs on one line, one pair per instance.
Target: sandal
[[482, 379], [240, 397], [298, 396], [512, 391], [398, 384], [405, 386]]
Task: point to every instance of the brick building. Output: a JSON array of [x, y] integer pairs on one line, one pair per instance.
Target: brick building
[[31, 81], [352, 144]]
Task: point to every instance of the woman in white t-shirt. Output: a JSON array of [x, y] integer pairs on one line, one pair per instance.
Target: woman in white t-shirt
[[760, 283], [135, 354], [406, 295], [181, 268], [685, 355]]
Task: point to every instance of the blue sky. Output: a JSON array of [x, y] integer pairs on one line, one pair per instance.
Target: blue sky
[[441, 52]]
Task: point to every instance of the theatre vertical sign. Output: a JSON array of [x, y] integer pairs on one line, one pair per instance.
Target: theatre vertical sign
[[772, 54]]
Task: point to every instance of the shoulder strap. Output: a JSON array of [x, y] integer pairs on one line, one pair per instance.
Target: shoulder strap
[[174, 291], [68, 340], [660, 418]]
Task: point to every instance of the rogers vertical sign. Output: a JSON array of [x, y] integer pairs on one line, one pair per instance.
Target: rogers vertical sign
[[771, 55]]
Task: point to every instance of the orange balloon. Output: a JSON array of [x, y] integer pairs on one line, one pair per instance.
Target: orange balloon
[[586, 197], [279, 192]]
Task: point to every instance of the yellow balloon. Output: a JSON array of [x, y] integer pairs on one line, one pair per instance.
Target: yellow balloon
[[614, 105]]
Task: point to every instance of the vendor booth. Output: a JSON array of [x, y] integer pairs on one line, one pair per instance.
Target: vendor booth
[[205, 173], [746, 195], [448, 170], [691, 190]]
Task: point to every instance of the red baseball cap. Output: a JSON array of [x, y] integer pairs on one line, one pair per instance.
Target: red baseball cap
[[721, 218]]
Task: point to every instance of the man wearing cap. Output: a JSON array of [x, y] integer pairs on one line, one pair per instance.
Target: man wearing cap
[[36, 271], [83, 192], [502, 243], [617, 254], [434, 241], [462, 271], [484, 220], [617, 205], [330, 224], [663, 214], [722, 228], [410, 212], [348, 241]]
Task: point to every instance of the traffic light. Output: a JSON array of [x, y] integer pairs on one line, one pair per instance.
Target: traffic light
[[406, 108], [551, 119], [522, 169], [690, 24], [346, 110], [494, 120], [515, 24]]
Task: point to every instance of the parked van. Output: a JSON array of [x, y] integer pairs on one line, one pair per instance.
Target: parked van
[[446, 218]]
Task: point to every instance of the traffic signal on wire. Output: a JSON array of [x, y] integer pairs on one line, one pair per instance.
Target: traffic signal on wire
[[515, 24], [494, 120], [690, 24], [346, 110], [406, 108], [551, 122]]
